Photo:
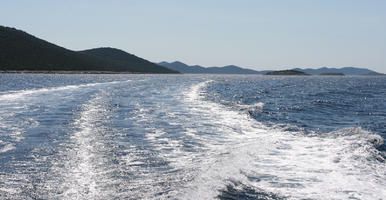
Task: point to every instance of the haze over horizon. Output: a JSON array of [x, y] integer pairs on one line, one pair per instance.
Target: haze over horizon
[[258, 35]]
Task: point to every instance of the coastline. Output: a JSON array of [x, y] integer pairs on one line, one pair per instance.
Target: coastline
[[67, 72]]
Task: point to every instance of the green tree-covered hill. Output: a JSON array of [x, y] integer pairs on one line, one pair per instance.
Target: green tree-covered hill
[[22, 51]]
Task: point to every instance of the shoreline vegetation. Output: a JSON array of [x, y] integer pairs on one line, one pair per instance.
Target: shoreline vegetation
[[23, 52], [62, 72], [287, 73]]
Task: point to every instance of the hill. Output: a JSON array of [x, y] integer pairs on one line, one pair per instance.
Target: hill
[[22, 51], [287, 73], [231, 69], [345, 71], [197, 69], [126, 61], [183, 68]]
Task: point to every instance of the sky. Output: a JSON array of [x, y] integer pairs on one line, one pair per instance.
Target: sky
[[256, 34]]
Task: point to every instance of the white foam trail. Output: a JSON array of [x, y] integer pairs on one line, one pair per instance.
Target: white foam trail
[[14, 133], [15, 130], [77, 170], [19, 94], [285, 163], [81, 169], [7, 147], [258, 105], [195, 91]]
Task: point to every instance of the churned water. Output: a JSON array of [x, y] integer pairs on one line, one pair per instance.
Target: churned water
[[192, 137]]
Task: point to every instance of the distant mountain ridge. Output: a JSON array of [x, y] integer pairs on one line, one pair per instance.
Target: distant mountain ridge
[[197, 69], [232, 69], [22, 51]]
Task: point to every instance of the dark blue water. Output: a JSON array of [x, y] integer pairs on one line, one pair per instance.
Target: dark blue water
[[191, 137], [316, 104]]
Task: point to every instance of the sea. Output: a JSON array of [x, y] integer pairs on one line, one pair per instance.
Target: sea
[[135, 136]]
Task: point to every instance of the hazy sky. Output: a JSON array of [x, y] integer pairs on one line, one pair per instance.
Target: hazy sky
[[271, 34]]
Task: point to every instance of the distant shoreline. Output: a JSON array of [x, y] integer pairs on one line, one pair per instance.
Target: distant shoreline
[[66, 72], [113, 72]]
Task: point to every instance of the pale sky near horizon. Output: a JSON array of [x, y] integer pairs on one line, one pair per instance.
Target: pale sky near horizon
[[254, 34]]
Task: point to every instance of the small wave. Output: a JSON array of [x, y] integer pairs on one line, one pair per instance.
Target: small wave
[[238, 190], [7, 147], [258, 105], [19, 94], [359, 144]]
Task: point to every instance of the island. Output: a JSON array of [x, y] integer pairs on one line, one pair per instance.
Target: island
[[374, 74], [331, 74], [287, 73]]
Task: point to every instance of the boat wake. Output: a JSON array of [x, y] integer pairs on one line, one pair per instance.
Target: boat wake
[[277, 163], [155, 139]]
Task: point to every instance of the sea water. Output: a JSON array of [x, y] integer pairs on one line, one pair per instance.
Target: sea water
[[192, 137]]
